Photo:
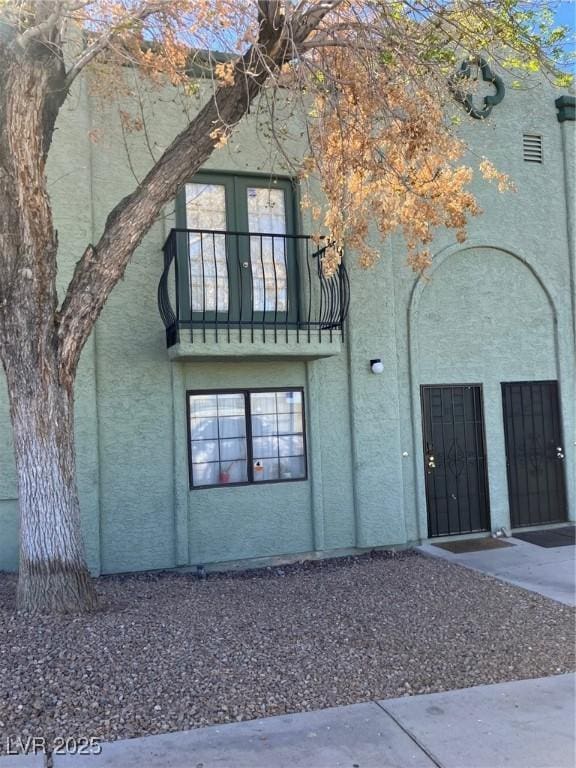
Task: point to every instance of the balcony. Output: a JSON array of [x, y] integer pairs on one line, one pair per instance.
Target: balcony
[[249, 294]]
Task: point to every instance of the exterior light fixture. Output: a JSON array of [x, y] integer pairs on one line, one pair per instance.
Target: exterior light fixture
[[377, 366]]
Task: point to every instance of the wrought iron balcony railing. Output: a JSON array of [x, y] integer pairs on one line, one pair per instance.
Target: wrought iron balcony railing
[[263, 284]]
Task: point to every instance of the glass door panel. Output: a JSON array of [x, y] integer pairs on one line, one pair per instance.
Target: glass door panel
[[267, 214], [265, 209], [241, 266], [206, 210]]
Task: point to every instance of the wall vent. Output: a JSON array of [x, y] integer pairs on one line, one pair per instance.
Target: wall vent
[[532, 147]]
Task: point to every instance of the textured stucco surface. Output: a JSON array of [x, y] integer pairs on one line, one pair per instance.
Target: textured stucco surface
[[498, 308], [7, 473], [209, 346], [527, 233], [485, 318], [248, 521], [9, 535]]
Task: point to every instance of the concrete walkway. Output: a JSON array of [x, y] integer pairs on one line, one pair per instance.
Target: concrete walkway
[[523, 724], [549, 571]]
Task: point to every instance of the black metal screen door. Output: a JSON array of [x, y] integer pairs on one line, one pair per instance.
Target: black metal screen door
[[534, 453], [455, 459]]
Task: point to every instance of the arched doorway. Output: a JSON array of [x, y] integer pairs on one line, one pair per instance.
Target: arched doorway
[[481, 322]]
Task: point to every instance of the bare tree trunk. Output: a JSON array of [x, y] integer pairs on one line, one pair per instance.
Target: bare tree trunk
[[40, 345], [53, 577]]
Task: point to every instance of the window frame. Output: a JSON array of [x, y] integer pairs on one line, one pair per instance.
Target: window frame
[[235, 185], [249, 448]]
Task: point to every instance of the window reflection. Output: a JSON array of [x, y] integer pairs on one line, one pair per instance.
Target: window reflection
[[221, 451], [206, 209], [266, 214], [218, 439]]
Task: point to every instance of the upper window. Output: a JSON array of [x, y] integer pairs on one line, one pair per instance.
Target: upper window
[[246, 437], [240, 260]]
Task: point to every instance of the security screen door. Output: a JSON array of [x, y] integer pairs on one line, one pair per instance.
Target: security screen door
[[241, 264], [534, 452], [455, 459]]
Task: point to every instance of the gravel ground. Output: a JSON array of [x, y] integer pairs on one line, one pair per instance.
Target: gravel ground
[[169, 652]]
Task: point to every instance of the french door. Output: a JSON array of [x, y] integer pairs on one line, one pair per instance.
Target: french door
[[238, 253], [455, 459], [534, 453]]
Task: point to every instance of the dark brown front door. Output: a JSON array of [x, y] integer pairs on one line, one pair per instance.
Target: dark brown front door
[[455, 459], [534, 453]]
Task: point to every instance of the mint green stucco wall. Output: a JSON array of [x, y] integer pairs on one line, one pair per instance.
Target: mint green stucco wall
[[470, 330], [519, 282], [498, 308]]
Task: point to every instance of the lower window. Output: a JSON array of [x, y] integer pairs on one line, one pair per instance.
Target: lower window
[[243, 437]]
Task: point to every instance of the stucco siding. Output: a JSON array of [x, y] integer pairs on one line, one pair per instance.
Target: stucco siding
[[250, 521], [134, 394], [498, 308], [485, 318]]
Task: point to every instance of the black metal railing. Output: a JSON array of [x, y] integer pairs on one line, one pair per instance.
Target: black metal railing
[[262, 284]]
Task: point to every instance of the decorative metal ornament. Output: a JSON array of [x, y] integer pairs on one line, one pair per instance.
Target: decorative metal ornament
[[467, 98]]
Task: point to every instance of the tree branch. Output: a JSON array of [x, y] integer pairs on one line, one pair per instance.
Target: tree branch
[[269, 11], [47, 21], [99, 45], [310, 20], [103, 265], [45, 25]]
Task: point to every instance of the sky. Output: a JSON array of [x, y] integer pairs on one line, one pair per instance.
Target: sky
[[566, 12], [566, 16]]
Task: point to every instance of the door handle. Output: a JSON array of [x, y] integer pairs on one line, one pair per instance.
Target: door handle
[[245, 264], [559, 452]]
